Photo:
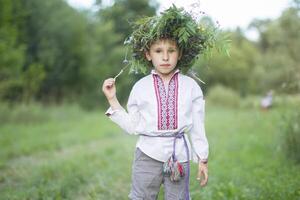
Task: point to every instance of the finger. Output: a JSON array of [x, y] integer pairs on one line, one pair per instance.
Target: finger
[[203, 183], [205, 179], [106, 86], [200, 171], [199, 175], [109, 80], [109, 83]]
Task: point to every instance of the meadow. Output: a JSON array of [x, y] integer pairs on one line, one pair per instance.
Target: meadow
[[64, 152]]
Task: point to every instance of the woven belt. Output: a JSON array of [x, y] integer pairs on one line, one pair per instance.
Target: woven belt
[[178, 135]]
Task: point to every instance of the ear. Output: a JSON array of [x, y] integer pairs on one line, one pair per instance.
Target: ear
[[148, 56], [180, 54]]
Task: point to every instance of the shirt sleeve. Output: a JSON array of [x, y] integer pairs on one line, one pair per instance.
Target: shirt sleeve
[[128, 121], [198, 136]]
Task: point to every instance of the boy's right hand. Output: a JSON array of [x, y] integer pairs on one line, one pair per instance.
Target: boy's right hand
[[109, 88]]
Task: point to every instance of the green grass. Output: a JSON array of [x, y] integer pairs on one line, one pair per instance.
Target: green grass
[[66, 153]]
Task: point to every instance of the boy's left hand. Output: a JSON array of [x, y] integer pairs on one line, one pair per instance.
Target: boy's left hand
[[202, 174]]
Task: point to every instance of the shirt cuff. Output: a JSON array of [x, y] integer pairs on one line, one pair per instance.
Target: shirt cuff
[[203, 159], [111, 111]]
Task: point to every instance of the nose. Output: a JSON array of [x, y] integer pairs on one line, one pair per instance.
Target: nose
[[165, 56]]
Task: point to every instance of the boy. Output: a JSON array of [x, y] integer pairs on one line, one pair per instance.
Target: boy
[[163, 107]]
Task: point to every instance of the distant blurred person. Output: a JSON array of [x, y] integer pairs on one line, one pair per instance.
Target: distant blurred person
[[267, 101]]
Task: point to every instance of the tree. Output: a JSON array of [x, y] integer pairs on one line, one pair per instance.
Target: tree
[[280, 57], [119, 16], [123, 12], [56, 38], [11, 50], [233, 72]]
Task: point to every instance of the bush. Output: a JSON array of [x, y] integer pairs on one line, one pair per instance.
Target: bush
[[290, 130], [21, 113], [36, 113], [284, 100], [224, 96], [250, 102]]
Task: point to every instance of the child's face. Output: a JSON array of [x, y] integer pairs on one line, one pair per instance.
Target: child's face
[[164, 55]]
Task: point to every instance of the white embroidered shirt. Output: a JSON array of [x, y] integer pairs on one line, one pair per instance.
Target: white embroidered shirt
[[154, 109]]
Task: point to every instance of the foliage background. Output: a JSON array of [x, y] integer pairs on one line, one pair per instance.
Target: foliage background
[[55, 142], [52, 53]]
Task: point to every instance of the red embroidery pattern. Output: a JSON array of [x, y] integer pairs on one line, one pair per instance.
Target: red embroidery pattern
[[166, 103]]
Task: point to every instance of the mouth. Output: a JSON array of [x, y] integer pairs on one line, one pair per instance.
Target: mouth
[[165, 65]]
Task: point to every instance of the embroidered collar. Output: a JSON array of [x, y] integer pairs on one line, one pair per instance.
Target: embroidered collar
[[154, 72], [167, 102]]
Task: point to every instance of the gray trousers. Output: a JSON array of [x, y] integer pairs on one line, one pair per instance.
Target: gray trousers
[[147, 177]]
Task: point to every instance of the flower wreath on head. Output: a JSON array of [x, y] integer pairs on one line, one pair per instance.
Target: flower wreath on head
[[193, 38]]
